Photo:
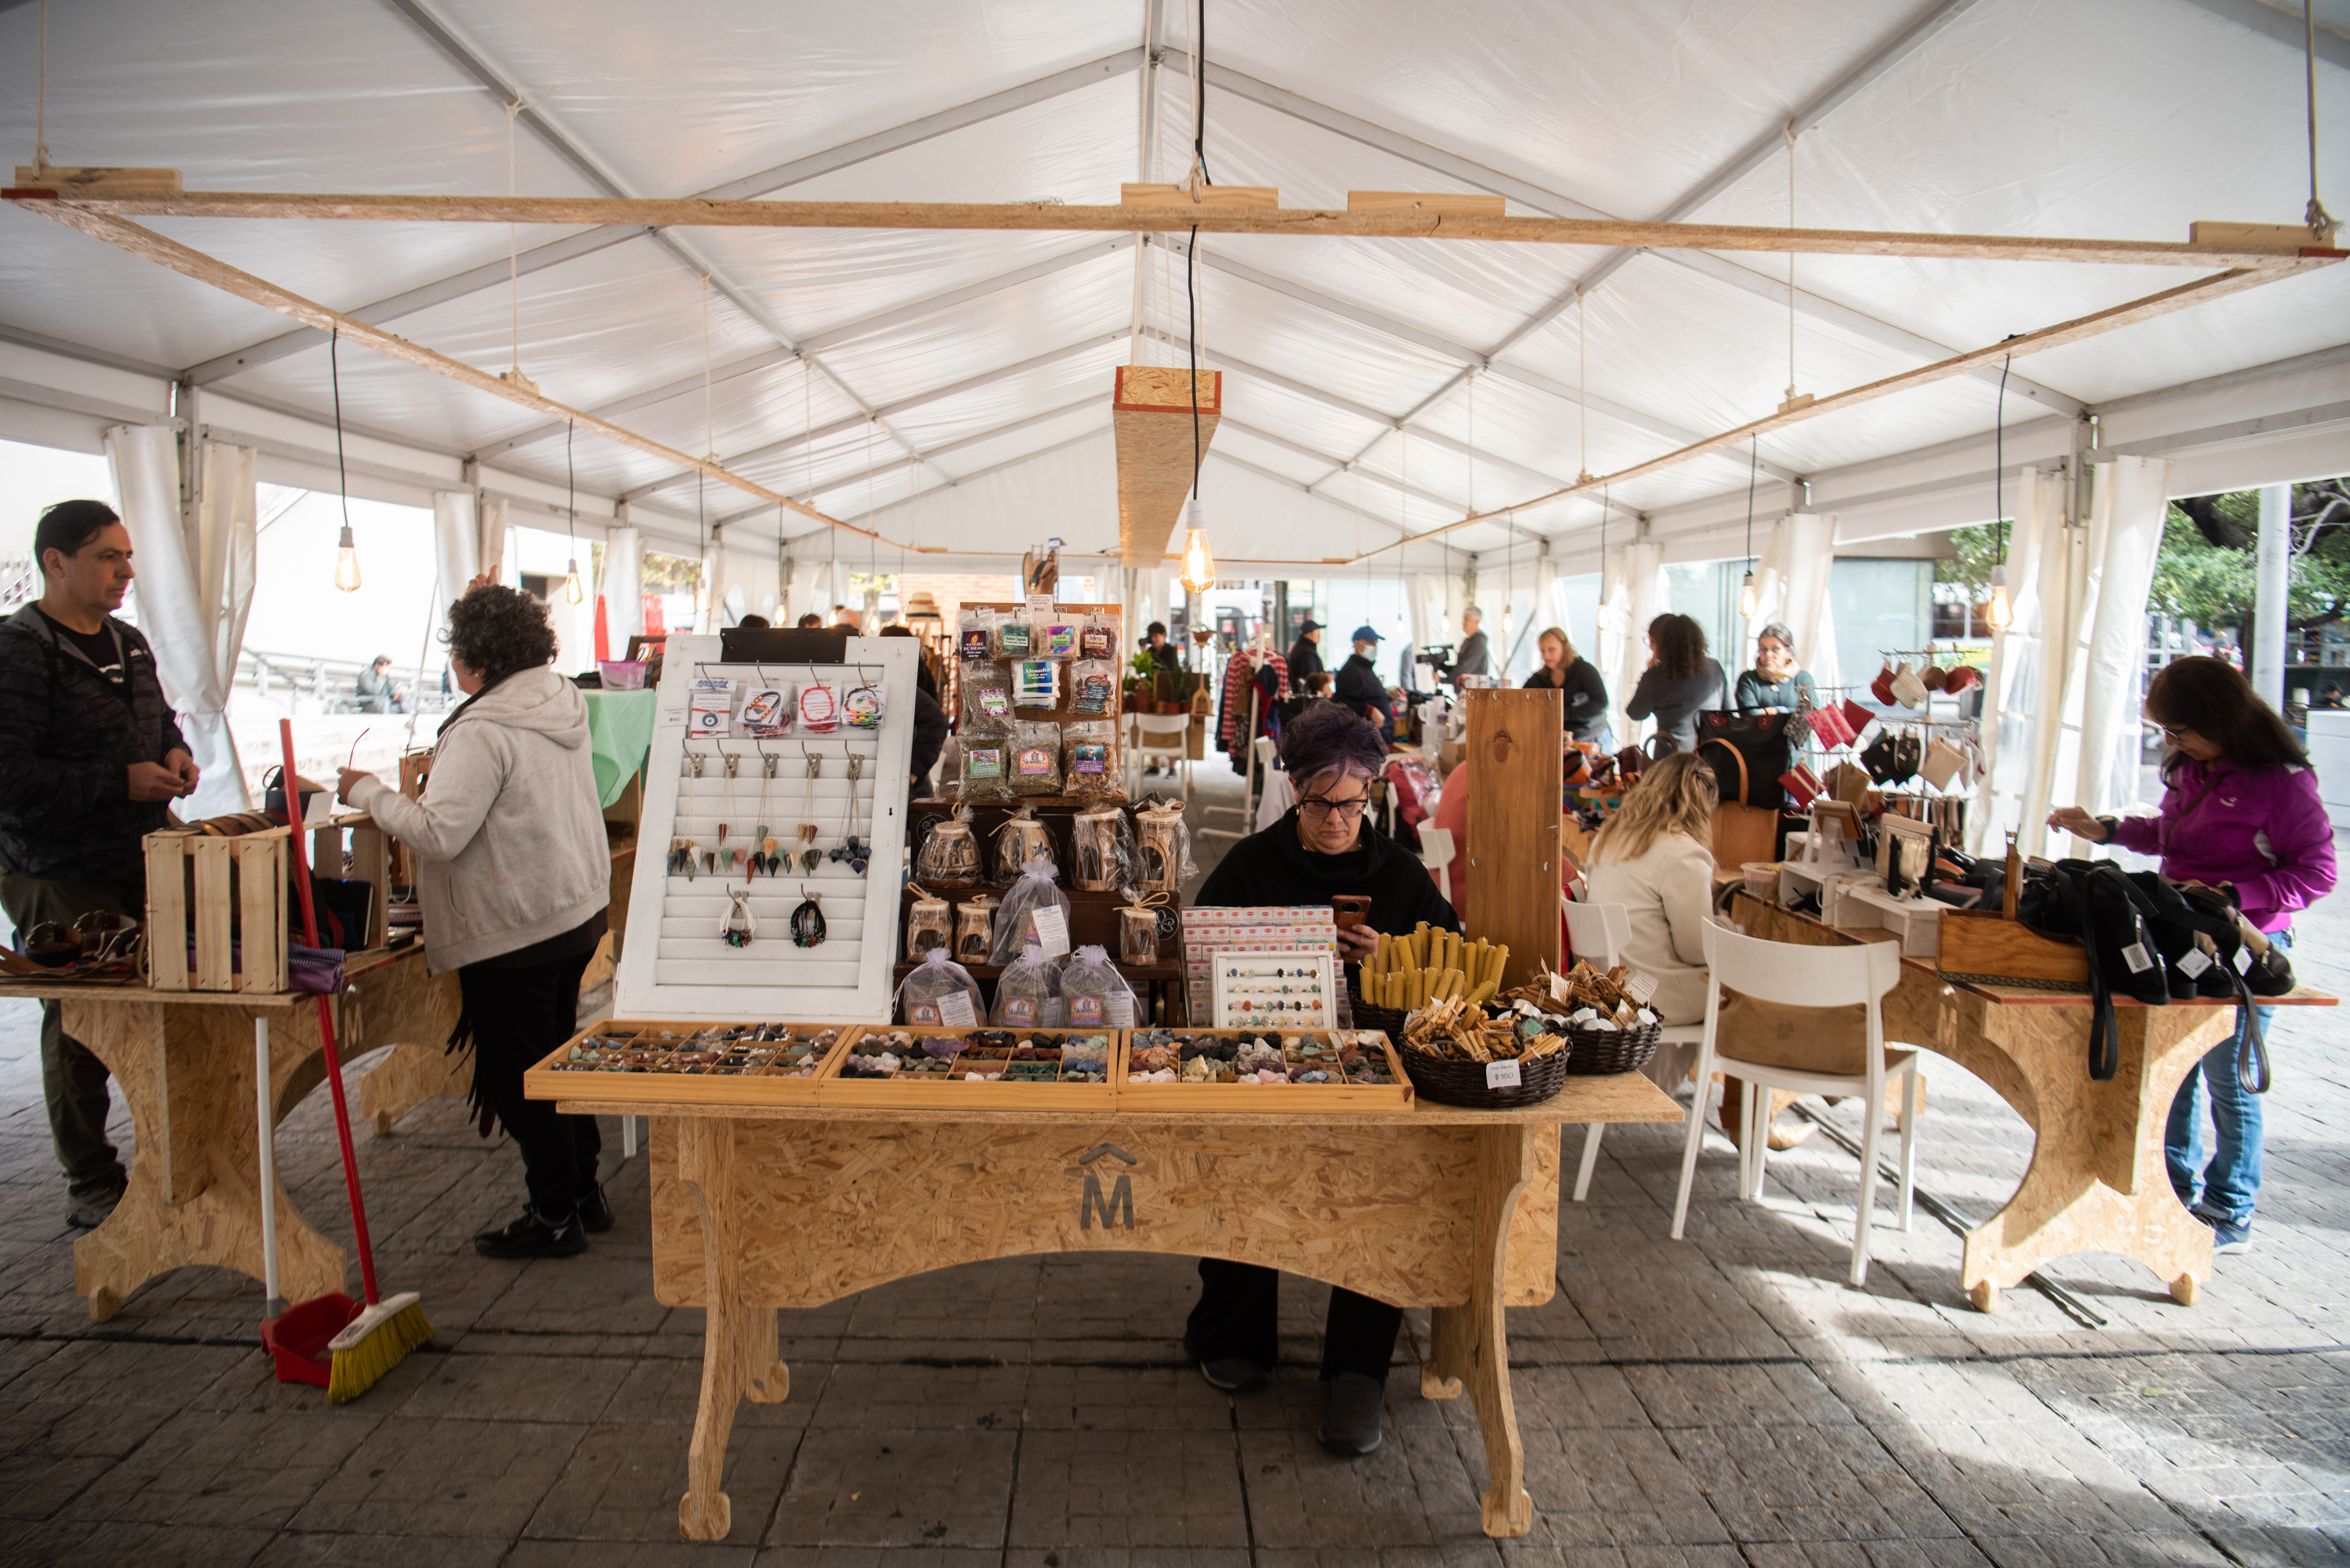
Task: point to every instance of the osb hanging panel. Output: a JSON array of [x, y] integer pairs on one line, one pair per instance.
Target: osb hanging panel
[[1151, 411], [829, 1209]]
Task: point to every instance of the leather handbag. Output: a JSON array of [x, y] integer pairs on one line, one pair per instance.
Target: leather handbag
[[1747, 753]]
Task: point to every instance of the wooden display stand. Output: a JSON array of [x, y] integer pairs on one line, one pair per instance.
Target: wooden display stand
[[1515, 779], [184, 1062], [2097, 1181], [756, 1209]]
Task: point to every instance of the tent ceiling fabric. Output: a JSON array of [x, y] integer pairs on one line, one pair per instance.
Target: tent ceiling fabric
[[992, 353]]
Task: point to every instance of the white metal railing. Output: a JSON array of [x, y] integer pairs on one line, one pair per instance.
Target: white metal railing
[[20, 583], [332, 683]]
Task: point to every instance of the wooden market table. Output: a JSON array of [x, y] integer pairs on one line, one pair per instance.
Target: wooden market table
[[760, 1207], [183, 1061], [2097, 1180]]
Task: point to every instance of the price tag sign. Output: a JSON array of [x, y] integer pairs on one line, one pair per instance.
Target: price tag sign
[[2137, 958], [1051, 923], [1501, 1076], [1118, 1012], [1639, 988], [1559, 988], [2194, 963], [956, 1012], [1040, 607]]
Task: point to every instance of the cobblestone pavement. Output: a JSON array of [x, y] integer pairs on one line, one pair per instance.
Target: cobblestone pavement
[[1723, 1400]]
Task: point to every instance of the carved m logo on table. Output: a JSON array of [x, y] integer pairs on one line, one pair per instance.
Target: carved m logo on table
[[1118, 1208]]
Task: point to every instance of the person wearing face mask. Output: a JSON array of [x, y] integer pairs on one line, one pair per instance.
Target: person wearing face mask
[[1774, 685], [2240, 812], [1323, 848]]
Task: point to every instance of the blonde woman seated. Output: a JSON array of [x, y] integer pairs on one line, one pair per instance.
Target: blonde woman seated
[[1654, 856]]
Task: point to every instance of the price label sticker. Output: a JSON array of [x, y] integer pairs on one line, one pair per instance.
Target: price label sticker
[[1639, 988], [1559, 990], [956, 1012], [1501, 1076], [1052, 925], [1040, 607], [2196, 961], [1118, 1012], [2137, 958]]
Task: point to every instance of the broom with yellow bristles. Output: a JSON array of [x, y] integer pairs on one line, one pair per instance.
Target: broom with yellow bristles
[[384, 1332]]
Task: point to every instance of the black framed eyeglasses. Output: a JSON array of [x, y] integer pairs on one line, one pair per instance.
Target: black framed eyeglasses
[[1314, 806]]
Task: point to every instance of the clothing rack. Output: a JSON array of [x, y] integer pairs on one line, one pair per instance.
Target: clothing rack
[[1245, 811]]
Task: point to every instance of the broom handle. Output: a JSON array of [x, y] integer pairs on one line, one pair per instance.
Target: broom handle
[[326, 1016], [273, 1304]]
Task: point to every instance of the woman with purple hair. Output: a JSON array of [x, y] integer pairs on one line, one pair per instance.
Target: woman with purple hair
[[1321, 849]]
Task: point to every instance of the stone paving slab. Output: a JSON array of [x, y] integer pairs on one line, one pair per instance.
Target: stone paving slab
[[1724, 1400]]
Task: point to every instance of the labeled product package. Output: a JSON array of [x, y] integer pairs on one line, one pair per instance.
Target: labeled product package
[[1028, 994], [948, 852], [986, 766], [1020, 838], [767, 711], [1094, 995], [986, 695], [975, 634], [1093, 689], [1014, 639], [1036, 684], [1088, 750], [710, 710], [1058, 639], [1097, 639], [1034, 907], [1101, 845], [1037, 759], [940, 991]]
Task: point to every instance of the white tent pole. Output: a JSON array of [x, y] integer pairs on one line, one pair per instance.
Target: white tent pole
[[2270, 609]]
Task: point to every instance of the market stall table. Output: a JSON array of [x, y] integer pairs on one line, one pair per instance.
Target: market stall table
[[2097, 1181], [757, 1208], [184, 1062]]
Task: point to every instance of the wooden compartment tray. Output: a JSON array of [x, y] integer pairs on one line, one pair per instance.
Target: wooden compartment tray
[[946, 1091], [1286, 1098], [558, 1078]]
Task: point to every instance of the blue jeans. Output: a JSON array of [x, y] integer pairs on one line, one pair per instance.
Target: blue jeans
[[2230, 1182]]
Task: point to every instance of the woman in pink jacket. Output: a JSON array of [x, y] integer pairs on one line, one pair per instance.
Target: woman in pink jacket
[[2240, 811]]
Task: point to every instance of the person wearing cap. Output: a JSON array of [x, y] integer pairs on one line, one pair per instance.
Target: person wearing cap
[[1471, 657], [1358, 685], [1306, 654]]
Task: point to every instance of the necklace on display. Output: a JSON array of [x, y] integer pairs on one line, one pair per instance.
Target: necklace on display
[[808, 852], [763, 848], [807, 921], [852, 849], [740, 923]]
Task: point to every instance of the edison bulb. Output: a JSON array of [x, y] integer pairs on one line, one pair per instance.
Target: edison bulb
[[2000, 612], [346, 562], [1749, 598], [572, 590], [1199, 573]]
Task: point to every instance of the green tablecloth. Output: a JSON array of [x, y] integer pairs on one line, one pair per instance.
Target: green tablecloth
[[621, 732]]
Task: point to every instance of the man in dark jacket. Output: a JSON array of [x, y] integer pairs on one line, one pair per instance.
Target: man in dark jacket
[[1472, 658], [90, 756], [1305, 655], [1358, 685]]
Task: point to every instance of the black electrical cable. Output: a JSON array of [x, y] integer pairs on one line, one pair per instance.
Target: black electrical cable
[[334, 378], [1753, 461], [570, 491], [1192, 333], [1200, 70], [1998, 462]]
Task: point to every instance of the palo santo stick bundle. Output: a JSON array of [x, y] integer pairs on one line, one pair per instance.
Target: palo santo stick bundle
[[1461, 1031], [1407, 973]]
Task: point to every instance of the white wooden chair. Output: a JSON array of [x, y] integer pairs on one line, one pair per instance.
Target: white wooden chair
[[1810, 977], [1163, 738], [1601, 932], [1436, 853]]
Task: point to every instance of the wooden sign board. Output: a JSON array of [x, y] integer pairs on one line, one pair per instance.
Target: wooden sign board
[[1513, 847], [1151, 412]]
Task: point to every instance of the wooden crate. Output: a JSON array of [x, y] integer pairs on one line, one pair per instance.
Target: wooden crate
[[551, 1080], [938, 1092], [1285, 1098], [217, 895]]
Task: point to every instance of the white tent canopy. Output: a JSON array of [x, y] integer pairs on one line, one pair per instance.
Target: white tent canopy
[[952, 388]]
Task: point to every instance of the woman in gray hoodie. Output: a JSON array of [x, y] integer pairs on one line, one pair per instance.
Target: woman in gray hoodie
[[515, 876]]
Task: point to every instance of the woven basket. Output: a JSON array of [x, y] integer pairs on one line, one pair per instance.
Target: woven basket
[[1452, 1082], [1389, 1021], [1596, 1051]]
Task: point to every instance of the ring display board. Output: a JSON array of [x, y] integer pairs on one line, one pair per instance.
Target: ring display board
[[718, 728]]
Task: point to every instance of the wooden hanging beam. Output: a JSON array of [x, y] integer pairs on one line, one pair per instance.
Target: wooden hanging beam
[[2219, 285], [193, 263], [1420, 220]]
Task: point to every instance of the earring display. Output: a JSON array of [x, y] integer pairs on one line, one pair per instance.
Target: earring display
[[1280, 990]]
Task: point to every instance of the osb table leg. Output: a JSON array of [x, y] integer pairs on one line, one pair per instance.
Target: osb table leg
[[186, 1073], [1506, 1164], [735, 1337], [2097, 1181], [411, 1075]]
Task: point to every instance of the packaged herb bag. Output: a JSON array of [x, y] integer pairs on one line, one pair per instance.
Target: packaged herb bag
[[986, 766], [1088, 751], [938, 986], [1093, 689], [1014, 637], [986, 695], [1037, 759], [975, 634], [1098, 637], [1094, 995], [1034, 907], [1028, 994]]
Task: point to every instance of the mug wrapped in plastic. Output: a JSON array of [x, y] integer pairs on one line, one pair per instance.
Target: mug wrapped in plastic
[[1035, 889], [949, 854], [1103, 850], [1094, 995], [940, 991], [1035, 759], [1138, 929], [1165, 857], [1087, 750], [1028, 994]]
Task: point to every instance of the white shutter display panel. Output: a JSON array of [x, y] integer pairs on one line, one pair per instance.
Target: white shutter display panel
[[686, 956]]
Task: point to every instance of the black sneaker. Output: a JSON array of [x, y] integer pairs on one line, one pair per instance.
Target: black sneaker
[[87, 1210], [1351, 1427], [533, 1236], [596, 1211], [1233, 1374]]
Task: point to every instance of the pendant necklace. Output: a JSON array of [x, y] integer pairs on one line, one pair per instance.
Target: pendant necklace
[[807, 921]]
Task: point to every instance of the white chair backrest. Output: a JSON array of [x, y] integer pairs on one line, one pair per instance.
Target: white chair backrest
[[1158, 729], [1436, 847], [1599, 932], [1795, 975]]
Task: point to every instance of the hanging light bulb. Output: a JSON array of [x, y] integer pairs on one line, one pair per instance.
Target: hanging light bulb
[[1999, 611], [1750, 598], [572, 590], [1199, 573], [346, 562]]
